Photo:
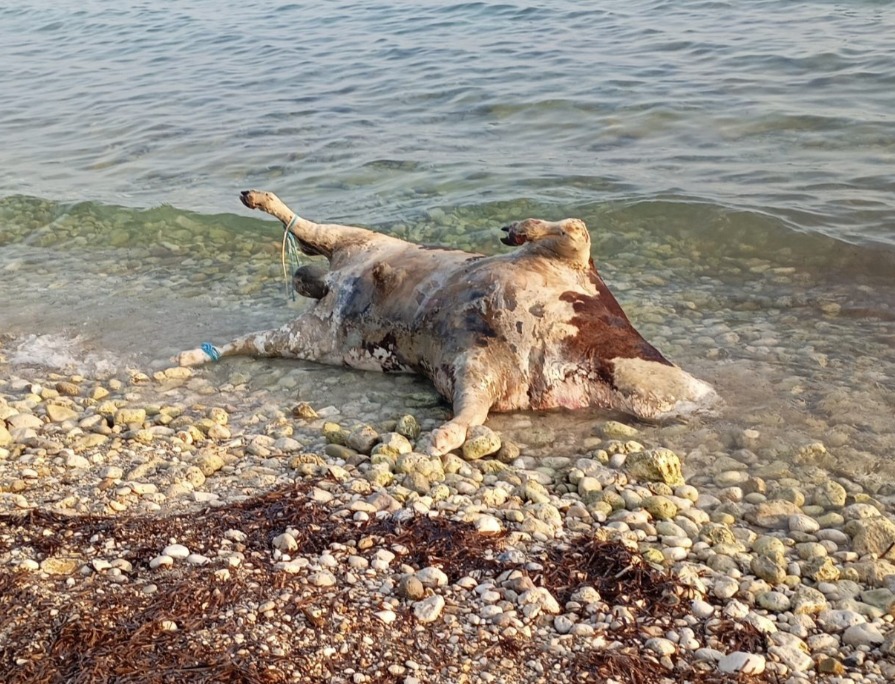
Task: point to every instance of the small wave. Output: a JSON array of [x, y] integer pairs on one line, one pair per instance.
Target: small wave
[[69, 354]]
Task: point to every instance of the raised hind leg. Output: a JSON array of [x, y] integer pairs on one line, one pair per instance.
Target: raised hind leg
[[308, 337], [313, 238]]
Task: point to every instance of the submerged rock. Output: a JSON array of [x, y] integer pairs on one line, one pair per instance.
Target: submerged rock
[[655, 465], [408, 427], [481, 441]]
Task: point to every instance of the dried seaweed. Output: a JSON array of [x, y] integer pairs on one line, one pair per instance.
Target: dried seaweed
[[600, 666], [454, 546], [738, 636], [617, 572], [194, 627]]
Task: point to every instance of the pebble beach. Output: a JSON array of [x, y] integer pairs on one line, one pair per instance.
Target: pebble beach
[[195, 531], [268, 521]]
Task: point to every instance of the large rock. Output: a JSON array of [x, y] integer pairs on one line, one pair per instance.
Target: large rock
[[872, 535], [773, 514], [24, 421], [429, 467], [864, 634], [612, 429], [771, 568], [129, 416], [408, 427], [655, 465], [392, 444], [362, 439], [480, 441], [808, 601], [660, 507], [58, 413], [830, 494]]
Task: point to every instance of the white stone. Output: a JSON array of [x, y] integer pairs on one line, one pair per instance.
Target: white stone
[[491, 597], [161, 561], [708, 655], [677, 541], [582, 629], [386, 616], [702, 609], [285, 542], [321, 495], [176, 551], [793, 658], [429, 609], [862, 635], [292, 567], [674, 553], [487, 524], [74, 462], [432, 577], [358, 562], [736, 609], [762, 623], [540, 597], [802, 523], [111, 473], [490, 611], [386, 557], [327, 560], [563, 624], [664, 647], [839, 620], [323, 579], [740, 661], [725, 587]]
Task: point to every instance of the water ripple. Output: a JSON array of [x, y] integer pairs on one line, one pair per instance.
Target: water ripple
[[780, 108]]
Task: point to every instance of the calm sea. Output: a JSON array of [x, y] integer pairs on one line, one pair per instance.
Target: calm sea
[[734, 160]]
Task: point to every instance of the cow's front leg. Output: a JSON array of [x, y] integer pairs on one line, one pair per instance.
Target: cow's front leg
[[475, 389], [308, 337]]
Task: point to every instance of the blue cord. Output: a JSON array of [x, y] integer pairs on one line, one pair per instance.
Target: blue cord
[[292, 251], [211, 351]]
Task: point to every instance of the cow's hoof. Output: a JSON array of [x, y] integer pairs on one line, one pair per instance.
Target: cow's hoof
[[193, 357], [448, 437]]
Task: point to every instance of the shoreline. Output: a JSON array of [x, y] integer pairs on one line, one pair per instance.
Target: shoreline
[[127, 490]]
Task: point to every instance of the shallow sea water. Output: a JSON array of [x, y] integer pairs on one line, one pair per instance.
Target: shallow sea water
[[735, 165]]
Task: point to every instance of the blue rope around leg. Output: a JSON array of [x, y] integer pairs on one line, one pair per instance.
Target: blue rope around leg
[[211, 351], [290, 252]]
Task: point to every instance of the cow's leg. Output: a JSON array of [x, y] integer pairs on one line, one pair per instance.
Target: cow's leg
[[310, 281], [313, 238], [475, 387], [308, 337]]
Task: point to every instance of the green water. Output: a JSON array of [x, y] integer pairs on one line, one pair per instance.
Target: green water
[[796, 334], [733, 161]]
